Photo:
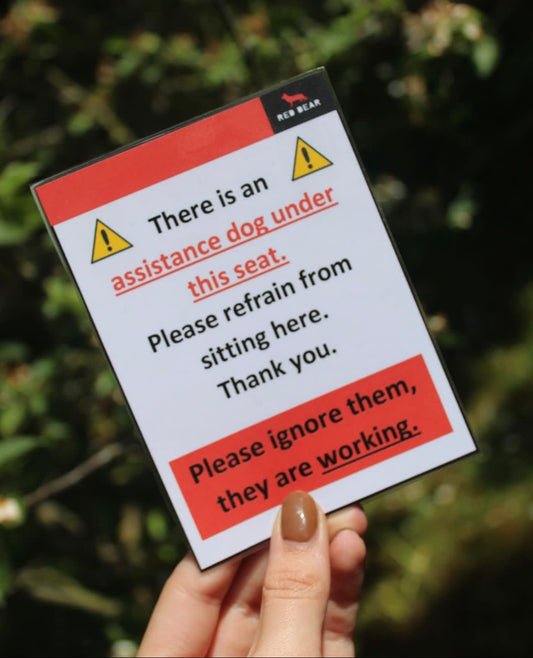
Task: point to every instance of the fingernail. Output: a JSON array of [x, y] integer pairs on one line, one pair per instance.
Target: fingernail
[[299, 518]]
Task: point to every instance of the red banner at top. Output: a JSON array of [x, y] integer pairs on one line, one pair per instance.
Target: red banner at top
[[153, 161]]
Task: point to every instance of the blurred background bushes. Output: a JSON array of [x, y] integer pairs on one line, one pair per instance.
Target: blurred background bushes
[[438, 96]]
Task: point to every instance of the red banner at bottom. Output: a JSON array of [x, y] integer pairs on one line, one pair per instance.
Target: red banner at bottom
[[311, 445]]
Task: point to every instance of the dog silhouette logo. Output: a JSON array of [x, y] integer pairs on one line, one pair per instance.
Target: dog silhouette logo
[[294, 98]]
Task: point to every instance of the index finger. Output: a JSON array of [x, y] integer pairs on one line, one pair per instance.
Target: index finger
[[187, 611]]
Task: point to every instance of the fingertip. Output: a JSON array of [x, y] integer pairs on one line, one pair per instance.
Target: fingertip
[[348, 518], [347, 552], [361, 520]]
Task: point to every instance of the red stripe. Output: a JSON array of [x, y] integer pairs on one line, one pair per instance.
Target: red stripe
[[153, 161], [401, 395]]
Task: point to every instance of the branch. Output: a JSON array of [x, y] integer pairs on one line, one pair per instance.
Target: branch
[[76, 475], [95, 104]]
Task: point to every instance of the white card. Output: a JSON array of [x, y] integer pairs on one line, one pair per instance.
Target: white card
[[252, 306]]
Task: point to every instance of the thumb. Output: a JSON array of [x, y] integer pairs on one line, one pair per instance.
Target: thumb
[[297, 582]]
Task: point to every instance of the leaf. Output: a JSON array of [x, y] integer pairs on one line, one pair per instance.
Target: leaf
[[11, 352], [15, 177], [54, 586], [485, 55], [156, 524], [18, 214], [12, 449]]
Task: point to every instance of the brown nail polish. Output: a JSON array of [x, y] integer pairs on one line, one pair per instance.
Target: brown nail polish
[[299, 518]]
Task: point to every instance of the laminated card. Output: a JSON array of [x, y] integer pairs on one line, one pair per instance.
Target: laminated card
[[253, 308]]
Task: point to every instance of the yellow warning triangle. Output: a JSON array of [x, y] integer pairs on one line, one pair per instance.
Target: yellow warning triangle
[[107, 242], [307, 160]]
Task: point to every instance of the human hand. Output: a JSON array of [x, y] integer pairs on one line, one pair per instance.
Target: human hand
[[299, 596]]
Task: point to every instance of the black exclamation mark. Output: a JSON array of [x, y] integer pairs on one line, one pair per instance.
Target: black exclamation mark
[[106, 239], [307, 158]]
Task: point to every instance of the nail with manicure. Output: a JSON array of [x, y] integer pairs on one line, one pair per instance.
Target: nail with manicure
[[299, 517]]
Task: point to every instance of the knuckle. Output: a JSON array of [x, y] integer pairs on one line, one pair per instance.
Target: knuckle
[[292, 583], [340, 622]]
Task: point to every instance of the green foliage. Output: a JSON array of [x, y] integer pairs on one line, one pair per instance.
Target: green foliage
[[56, 587], [17, 217], [16, 447], [436, 94]]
